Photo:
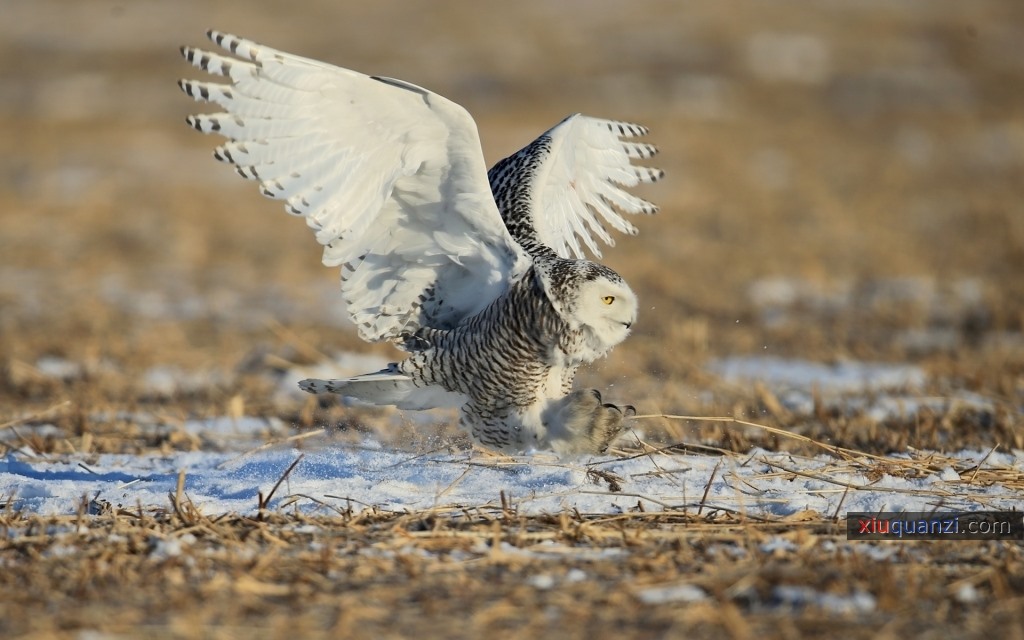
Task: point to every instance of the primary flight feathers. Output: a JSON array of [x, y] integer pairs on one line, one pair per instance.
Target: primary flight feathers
[[391, 178]]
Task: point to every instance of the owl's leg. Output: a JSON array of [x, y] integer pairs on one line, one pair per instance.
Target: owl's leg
[[589, 425], [608, 423]]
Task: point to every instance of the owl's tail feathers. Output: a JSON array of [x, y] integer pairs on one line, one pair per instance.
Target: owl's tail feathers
[[386, 387]]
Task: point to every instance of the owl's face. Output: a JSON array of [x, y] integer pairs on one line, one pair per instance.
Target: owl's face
[[607, 307]]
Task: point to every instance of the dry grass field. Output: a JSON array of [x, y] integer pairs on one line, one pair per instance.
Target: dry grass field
[[844, 183]]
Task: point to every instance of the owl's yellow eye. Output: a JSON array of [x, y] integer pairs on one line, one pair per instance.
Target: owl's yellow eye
[[608, 299]]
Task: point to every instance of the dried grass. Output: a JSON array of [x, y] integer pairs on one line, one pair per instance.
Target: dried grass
[[109, 213], [104, 567]]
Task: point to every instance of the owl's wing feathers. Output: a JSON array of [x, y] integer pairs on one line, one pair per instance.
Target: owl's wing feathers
[[581, 185], [390, 176]]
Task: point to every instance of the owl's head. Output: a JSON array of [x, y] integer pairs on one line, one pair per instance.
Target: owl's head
[[604, 307]]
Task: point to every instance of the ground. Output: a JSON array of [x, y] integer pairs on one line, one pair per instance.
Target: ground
[[835, 272]]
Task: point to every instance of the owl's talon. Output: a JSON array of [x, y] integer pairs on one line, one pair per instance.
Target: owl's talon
[[606, 424]]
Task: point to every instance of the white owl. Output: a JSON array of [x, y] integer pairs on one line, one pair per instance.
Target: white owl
[[480, 277]]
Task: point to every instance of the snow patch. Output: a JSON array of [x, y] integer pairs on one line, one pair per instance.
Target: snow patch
[[841, 377], [331, 475], [671, 593]]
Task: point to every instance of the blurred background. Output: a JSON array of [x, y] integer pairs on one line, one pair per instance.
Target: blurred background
[[844, 181]]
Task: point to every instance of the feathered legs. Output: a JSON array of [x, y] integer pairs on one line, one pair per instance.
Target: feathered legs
[[581, 423]]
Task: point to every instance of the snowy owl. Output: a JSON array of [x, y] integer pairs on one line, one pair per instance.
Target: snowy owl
[[480, 276]]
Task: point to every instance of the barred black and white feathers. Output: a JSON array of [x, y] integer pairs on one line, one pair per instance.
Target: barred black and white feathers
[[478, 276], [567, 184]]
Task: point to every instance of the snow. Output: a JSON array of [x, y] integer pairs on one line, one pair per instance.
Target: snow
[[967, 594], [235, 464], [881, 391], [797, 597], [801, 374], [671, 593], [335, 476]]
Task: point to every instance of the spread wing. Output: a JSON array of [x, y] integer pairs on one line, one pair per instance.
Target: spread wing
[[571, 182], [390, 176]]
